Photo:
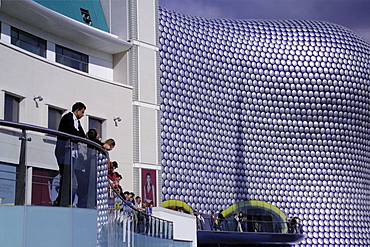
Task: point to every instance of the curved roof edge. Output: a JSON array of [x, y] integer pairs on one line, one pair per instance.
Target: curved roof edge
[[177, 203], [60, 25]]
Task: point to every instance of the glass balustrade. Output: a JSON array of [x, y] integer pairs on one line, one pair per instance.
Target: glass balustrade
[[132, 226], [45, 172], [257, 224], [31, 181], [30, 169]]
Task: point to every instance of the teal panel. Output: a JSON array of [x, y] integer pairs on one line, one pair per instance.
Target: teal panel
[[38, 226], [46, 226], [11, 225], [100, 19], [60, 227], [45, 3], [84, 227], [71, 9]]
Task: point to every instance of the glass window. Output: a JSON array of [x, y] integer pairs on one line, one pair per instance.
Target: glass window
[[28, 42], [45, 186], [11, 111], [97, 124], [54, 116], [71, 58], [8, 178]]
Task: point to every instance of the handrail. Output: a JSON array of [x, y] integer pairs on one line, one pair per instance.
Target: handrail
[[68, 178], [126, 223], [112, 224], [250, 225], [133, 208], [24, 126]]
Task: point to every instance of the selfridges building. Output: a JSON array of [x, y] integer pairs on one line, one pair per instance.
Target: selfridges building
[[276, 111]]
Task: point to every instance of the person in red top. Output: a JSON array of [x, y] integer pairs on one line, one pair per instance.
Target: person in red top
[[111, 174]]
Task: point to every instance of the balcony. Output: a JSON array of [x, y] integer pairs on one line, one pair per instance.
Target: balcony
[[32, 213]]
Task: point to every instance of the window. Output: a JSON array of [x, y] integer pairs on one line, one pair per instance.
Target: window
[[97, 124], [45, 186], [71, 58], [28, 42], [11, 111], [8, 178], [54, 116]]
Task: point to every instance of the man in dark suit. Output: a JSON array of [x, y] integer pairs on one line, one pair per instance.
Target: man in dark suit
[[66, 152]]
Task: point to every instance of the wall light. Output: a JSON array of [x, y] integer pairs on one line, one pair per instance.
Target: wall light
[[116, 120], [37, 99]]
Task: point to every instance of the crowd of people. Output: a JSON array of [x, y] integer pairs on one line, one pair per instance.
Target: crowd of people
[[129, 206], [119, 199], [75, 181], [294, 225], [117, 194], [125, 201], [75, 160], [76, 167], [243, 223]]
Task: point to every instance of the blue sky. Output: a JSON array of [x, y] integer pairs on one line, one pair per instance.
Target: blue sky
[[353, 14]]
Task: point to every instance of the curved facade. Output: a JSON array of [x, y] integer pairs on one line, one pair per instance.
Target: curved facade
[[276, 111]]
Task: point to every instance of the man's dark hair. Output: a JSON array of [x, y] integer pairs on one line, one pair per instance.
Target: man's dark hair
[[92, 134], [78, 106], [114, 164]]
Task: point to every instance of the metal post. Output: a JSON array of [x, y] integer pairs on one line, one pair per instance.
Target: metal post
[[21, 176], [92, 165], [66, 178]]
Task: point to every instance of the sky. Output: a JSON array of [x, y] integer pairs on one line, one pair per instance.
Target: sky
[[352, 14]]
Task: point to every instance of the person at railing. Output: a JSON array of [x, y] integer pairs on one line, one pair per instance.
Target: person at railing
[[93, 135], [200, 221], [138, 204], [296, 225], [221, 226], [109, 144], [140, 215], [132, 199], [111, 174], [289, 224], [212, 220], [118, 177], [238, 218], [126, 197], [83, 168], [149, 208], [149, 212], [112, 178], [70, 124]]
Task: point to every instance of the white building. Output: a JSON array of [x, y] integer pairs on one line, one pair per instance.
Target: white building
[[115, 74]]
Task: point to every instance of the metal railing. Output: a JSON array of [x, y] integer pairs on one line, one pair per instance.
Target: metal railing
[[44, 167], [251, 225], [29, 160], [128, 225], [31, 171]]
